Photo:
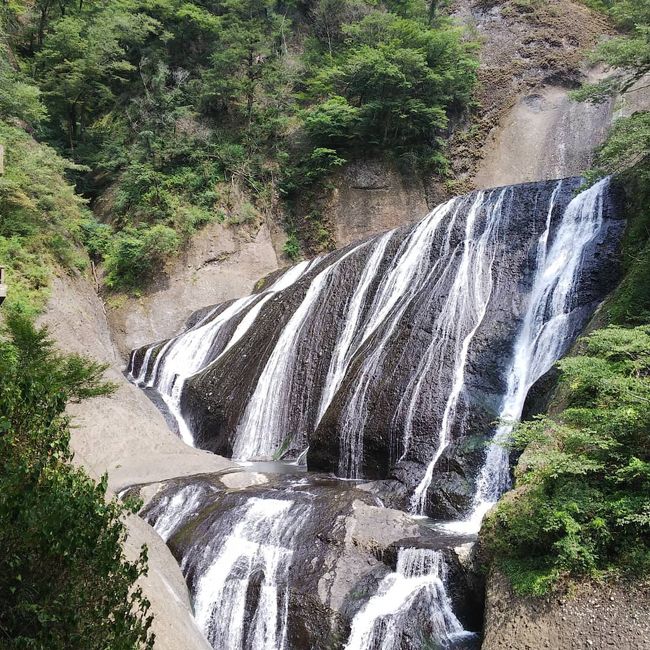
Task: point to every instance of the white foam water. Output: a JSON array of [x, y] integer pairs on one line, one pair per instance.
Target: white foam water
[[543, 336], [414, 596], [255, 553]]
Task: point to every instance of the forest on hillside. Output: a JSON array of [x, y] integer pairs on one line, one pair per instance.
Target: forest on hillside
[[165, 108]]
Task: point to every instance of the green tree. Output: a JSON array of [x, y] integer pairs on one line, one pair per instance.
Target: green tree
[[393, 85], [249, 43], [64, 581], [83, 64]]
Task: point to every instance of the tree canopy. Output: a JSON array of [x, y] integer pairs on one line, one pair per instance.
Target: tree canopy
[[65, 583], [166, 105]]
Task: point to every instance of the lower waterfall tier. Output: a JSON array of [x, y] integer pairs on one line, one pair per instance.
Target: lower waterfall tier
[[306, 561]]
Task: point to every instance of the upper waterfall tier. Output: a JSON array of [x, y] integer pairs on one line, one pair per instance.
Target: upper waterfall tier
[[394, 357]]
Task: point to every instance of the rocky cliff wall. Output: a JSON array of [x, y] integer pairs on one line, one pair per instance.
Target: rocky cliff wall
[[526, 128], [221, 263], [125, 435]]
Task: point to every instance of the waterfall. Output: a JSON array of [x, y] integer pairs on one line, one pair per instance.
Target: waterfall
[[388, 359], [240, 589], [171, 512], [414, 595], [345, 350], [545, 333], [380, 356], [139, 380], [188, 353], [263, 427], [408, 274]]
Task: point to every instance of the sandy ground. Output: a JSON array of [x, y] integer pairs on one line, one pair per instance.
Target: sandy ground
[[590, 616]]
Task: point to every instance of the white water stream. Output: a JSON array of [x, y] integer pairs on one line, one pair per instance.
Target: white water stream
[[543, 336], [415, 595], [187, 354], [262, 429], [461, 315], [255, 554]]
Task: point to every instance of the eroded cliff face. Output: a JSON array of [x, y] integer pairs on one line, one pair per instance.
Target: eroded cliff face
[[526, 127], [380, 354], [125, 435]]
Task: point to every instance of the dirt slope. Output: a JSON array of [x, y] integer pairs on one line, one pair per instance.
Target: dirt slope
[[591, 616]]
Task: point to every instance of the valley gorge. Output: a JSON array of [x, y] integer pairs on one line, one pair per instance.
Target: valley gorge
[[316, 398]]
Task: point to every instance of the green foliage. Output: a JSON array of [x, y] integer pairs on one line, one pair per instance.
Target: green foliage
[[39, 219], [166, 103], [630, 51], [631, 301], [583, 507], [18, 98], [64, 581], [391, 85], [83, 64], [628, 143], [133, 256], [291, 247]]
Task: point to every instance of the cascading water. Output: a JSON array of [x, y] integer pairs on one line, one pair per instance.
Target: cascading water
[[345, 349], [375, 361], [405, 279], [414, 596], [241, 576], [261, 431], [392, 330], [545, 333], [188, 353], [466, 306], [173, 511]]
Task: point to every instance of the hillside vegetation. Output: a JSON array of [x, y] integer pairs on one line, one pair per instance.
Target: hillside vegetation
[[167, 108], [65, 583]]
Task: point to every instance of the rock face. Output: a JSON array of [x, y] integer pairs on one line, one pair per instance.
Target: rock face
[[323, 551], [531, 56], [372, 196], [221, 263], [380, 354], [563, 134], [125, 435], [597, 616]]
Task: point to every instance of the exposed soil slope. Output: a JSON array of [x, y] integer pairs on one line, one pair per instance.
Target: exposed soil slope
[[592, 616]]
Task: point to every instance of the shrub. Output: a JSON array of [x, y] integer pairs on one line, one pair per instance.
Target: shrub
[[135, 255], [583, 507], [65, 583], [291, 247]]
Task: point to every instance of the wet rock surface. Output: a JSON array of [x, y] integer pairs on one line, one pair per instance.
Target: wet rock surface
[[404, 403], [347, 544]]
